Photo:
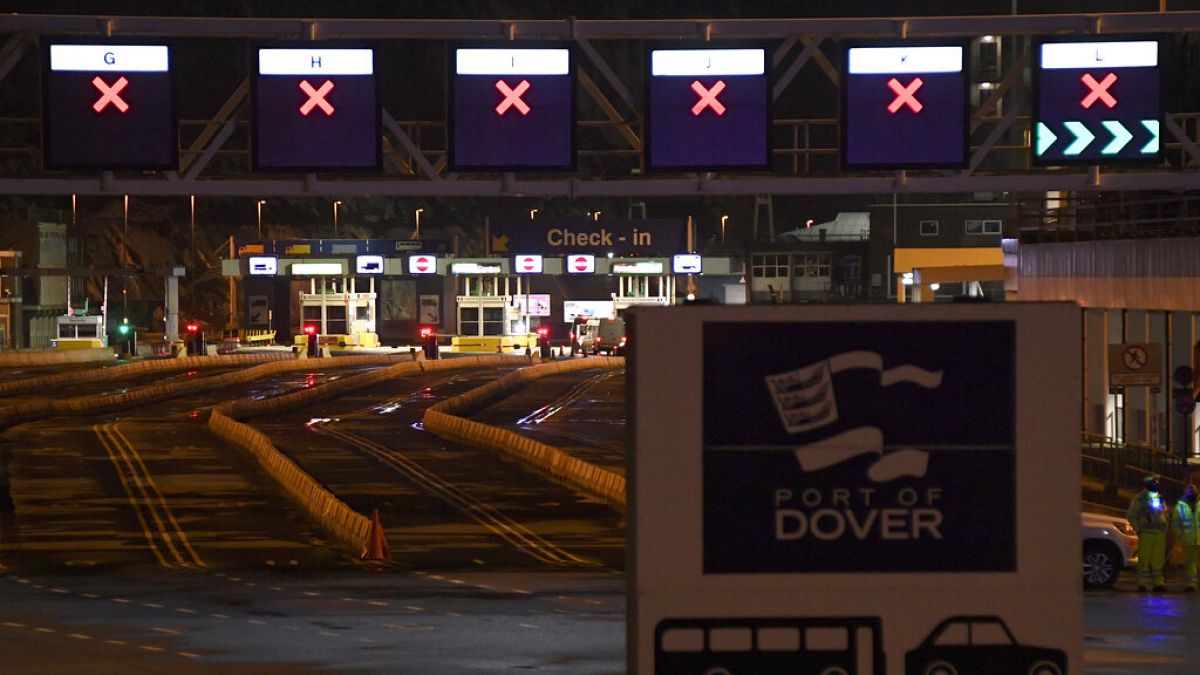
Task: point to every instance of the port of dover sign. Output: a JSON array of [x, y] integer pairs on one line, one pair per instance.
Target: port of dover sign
[[882, 490]]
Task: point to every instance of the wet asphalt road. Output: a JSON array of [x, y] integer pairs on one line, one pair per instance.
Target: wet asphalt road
[[82, 590]]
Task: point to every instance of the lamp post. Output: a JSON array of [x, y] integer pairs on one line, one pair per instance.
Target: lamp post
[[417, 231], [260, 205], [335, 217], [724, 219]]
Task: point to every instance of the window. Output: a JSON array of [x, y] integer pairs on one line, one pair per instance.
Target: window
[[813, 265], [983, 226], [851, 268], [769, 266], [929, 228]]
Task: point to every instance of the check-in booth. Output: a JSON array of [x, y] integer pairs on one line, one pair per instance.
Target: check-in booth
[[642, 282], [343, 314], [486, 299], [80, 331]]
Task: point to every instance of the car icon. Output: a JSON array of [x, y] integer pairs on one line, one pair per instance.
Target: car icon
[[980, 645]]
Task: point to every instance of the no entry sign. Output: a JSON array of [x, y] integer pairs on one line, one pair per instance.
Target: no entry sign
[[843, 497]]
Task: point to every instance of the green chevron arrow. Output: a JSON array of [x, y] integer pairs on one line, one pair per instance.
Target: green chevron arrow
[[1151, 146], [1083, 137], [1045, 138], [1120, 134]]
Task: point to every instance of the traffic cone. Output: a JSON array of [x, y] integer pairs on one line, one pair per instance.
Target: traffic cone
[[377, 546]]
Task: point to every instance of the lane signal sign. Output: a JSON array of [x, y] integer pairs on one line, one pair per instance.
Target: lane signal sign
[[529, 264], [110, 94], [1098, 90], [581, 263], [512, 97], [422, 264], [905, 95], [708, 98], [316, 98]]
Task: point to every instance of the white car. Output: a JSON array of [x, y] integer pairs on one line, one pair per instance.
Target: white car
[[1109, 546]]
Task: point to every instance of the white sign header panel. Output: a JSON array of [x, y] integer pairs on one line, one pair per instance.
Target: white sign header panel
[[853, 482]]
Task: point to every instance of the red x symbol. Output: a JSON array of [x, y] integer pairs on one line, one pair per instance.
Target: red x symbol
[[904, 95], [316, 98], [109, 94], [512, 97], [708, 98], [1098, 90]]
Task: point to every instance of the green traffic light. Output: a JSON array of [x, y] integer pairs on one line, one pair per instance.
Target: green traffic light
[[123, 329]]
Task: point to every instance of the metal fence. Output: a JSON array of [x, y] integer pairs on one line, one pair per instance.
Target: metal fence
[[1124, 465]]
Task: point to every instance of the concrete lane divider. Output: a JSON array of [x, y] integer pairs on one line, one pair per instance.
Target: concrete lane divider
[[446, 419], [135, 369], [160, 392], [53, 357], [348, 527]]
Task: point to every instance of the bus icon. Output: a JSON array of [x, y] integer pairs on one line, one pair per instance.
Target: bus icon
[[770, 646]]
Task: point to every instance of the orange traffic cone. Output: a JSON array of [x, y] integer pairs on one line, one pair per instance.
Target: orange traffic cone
[[377, 546]]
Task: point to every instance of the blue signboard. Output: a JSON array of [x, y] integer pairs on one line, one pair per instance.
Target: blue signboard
[[859, 447], [1097, 102], [513, 109], [708, 109], [108, 106], [315, 109], [905, 106], [622, 238]]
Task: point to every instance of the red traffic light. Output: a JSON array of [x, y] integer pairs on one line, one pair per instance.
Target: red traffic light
[[193, 328], [543, 331], [426, 331], [310, 329]]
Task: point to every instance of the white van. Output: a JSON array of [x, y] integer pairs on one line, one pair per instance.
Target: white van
[[603, 336]]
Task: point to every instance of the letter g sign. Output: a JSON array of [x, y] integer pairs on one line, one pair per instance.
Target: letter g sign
[[110, 58]]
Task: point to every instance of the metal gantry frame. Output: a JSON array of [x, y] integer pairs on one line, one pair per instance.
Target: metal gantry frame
[[421, 171]]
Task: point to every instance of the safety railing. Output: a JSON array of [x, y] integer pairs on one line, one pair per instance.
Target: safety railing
[[1124, 465]]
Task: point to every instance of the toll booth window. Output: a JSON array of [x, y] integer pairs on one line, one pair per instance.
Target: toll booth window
[[335, 320], [729, 640], [362, 313], [779, 639], [493, 321], [683, 640], [826, 639], [312, 314]]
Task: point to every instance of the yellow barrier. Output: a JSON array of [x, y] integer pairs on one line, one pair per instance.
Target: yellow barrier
[[348, 527], [443, 419], [135, 369], [53, 357]]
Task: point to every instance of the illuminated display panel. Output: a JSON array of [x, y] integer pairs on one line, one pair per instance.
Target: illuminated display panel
[[108, 106], [315, 109], [708, 109], [263, 265], [581, 263], [512, 109], [1097, 101], [368, 264], [422, 264], [905, 106], [687, 263], [527, 264]]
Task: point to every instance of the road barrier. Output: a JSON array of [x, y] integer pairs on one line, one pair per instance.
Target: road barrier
[[444, 419], [348, 527], [135, 369], [53, 357], [17, 414]]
